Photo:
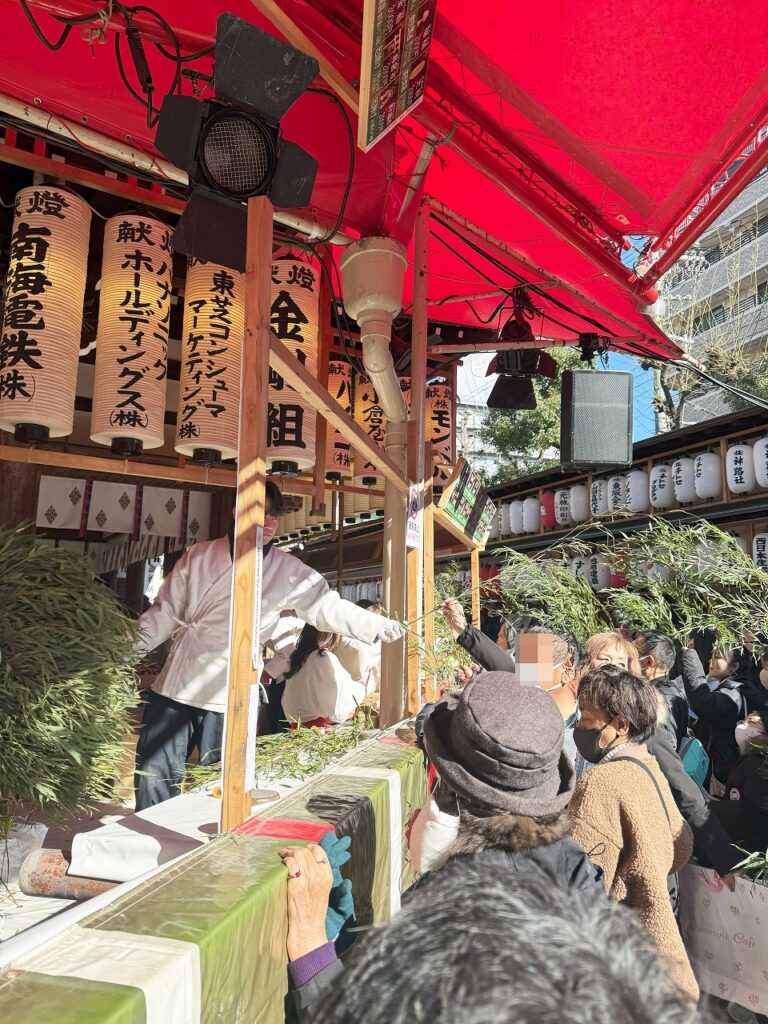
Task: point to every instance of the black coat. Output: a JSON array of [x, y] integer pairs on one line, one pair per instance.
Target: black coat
[[744, 811], [723, 708], [485, 652], [673, 692]]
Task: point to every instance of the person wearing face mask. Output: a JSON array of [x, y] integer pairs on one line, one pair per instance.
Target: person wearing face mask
[[657, 656], [743, 811], [186, 706], [623, 811]]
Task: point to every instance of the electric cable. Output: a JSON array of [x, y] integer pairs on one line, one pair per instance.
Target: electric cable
[[745, 396], [351, 170], [41, 35]]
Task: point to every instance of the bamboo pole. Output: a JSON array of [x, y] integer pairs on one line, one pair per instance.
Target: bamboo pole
[[242, 679], [474, 563]]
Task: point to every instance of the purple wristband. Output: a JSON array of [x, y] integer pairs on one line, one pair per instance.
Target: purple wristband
[[307, 966]]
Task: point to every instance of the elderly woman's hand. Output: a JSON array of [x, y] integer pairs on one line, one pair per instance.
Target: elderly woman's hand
[[309, 886], [454, 616]]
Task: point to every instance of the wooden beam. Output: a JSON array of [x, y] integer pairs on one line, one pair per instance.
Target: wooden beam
[[323, 354], [474, 564], [414, 578], [297, 38], [242, 676], [288, 366], [430, 680]]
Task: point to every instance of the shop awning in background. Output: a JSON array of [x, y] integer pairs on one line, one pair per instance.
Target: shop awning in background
[[560, 129]]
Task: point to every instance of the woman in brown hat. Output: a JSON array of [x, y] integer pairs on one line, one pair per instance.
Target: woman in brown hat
[[623, 810], [504, 783]]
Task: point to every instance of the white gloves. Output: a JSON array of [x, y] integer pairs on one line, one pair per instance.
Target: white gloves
[[390, 631]]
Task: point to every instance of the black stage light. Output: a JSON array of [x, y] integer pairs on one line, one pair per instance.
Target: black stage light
[[231, 147], [512, 393]]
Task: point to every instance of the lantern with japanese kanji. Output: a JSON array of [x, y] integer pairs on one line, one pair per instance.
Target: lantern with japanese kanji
[[339, 454], [760, 453], [708, 480], [43, 315], [211, 349], [599, 497], [617, 493], [292, 420], [132, 336], [369, 416], [548, 518], [760, 550], [661, 487], [562, 506], [684, 479], [638, 498], [740, 468], [579, 503], [439, 430], [599, 573], [579, 566]]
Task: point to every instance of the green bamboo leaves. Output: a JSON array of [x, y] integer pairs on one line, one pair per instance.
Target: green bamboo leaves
[[66, 676]]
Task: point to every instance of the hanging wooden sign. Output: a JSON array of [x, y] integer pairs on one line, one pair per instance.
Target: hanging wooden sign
[[465, 509]]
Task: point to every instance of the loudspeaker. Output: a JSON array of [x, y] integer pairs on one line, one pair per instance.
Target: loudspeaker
[[595, 419]]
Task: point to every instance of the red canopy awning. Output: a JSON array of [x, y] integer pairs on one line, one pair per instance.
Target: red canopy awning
[[561, 128]]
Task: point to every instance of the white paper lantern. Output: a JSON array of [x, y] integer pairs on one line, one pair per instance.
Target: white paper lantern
[[760, 452], [617, 493], [43, 315], [661, 488], [516, 515], [740, 469], [599, 497], [495, 526], [292, 421], [684, 479], [562, 506], [579, 566], [638, 498], [531, 515], [132, 336], [709, 483], [369, 416], [760, 550], [339, 454], [361, 503], [599, 573], [740, 540], [375, 501], [211, 350], [579, 503], [439, 430]]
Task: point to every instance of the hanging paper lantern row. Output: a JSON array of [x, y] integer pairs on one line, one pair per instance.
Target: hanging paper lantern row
[[740, 469], [439, 430], [599, 497], [211, 350], [292, 420], [339, 456], [578, 500], [708, 479], [638, 499], [43, 316], [684, 479], [132, 335], [563, 506]]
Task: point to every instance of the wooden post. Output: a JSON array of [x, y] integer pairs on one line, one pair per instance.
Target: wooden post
[[430, 680], [341, 498], [414, 568], [324, 349], [249, 515], [474, 564]]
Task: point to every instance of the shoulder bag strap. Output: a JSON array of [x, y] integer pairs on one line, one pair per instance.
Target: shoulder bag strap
[[651, 776]]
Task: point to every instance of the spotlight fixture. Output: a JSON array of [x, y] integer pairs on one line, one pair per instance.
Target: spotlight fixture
[[231, 147], [514, 388]]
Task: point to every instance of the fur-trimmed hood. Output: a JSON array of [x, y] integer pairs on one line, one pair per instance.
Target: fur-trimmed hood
[[512, 832]]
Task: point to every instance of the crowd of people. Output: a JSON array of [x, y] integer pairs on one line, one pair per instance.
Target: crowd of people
[[562, 805], [569, 784]]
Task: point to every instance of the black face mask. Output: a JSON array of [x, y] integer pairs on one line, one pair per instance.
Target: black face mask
[[588, 743]]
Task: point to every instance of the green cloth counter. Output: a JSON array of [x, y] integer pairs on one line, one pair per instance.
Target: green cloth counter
[[204, 941]]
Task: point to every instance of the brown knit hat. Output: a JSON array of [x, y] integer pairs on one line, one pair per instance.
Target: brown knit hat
[[498, 746]]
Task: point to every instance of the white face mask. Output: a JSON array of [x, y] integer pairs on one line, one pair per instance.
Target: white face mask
[[746, 734]]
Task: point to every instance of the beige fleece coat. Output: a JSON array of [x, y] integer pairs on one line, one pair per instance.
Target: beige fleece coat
[[618, 819]]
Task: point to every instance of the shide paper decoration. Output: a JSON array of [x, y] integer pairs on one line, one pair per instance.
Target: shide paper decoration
[[132, 336], [43, 316], [295, 312], [211, 349], [339, 455]]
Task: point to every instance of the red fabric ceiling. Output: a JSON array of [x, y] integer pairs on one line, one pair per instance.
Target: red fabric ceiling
[[633, 112]]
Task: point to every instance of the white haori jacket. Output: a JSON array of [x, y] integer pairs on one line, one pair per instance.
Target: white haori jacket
[[322, 688], [192, 608]]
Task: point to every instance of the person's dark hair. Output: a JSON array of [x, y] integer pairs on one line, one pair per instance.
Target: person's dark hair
[[276, 500], [477, 943], [745, 666], [310, 640], [619, 694], [660, 647], [704, 643], [367, 604]]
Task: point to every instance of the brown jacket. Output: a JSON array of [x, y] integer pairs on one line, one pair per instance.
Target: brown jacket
[[619, 820]]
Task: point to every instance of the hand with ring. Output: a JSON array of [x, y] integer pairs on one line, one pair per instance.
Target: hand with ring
[[309, 886]]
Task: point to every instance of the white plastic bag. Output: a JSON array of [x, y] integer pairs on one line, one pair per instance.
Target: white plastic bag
[[23, 838]]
